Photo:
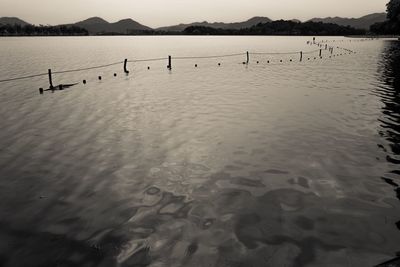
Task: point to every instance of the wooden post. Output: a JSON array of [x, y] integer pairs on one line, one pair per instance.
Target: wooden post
[[125, 63], [50, 80], [169, 63], [248, 57], [320, 53], [301, 56]]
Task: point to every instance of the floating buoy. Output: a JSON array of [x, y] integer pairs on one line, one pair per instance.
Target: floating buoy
[[195, 65], [290, 60], [219, 64], [281, 60], [244, 63], [115, 75], [268, 61], [99, 77], [84, 81], [148, 68], [258, 62]]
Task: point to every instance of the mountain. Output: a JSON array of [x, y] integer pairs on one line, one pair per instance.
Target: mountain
[[97, 25], [359, 23], [13, 21], [218, 25]]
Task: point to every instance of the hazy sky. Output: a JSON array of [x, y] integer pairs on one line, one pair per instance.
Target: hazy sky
[[156, 13]]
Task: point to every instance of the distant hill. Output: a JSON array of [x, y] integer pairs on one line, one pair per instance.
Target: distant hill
[[13, 21], [98, 25], [218, 25], [359, 23]]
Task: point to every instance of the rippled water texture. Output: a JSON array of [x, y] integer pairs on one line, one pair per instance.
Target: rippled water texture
[[269, 164]]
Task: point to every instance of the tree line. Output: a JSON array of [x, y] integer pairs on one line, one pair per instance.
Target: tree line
[[392, 24], [41, 30], [280, 27]]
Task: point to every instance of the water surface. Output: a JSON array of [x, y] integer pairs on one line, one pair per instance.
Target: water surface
[[269, 164]]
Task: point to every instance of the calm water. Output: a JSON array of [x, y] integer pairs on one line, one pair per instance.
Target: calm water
[[280, 164]]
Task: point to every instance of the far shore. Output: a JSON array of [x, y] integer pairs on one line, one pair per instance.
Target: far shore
[[249, 35]]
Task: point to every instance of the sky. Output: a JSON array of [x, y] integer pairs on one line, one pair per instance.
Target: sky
[[156, 13]]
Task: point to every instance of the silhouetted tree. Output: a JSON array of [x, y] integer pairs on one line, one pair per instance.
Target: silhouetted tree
[[392, 25], [393, 10]]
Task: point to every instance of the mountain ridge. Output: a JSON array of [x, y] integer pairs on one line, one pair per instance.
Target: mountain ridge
[[363, 22], [97, 25], [221, 25], [13, 21]]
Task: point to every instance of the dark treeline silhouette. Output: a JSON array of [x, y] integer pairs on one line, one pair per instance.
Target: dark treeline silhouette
[[33, 30], [392, 24], [143, 32], [280, 27]]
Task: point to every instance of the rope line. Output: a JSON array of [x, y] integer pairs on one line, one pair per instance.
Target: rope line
[[313, 51], [147, 60], [200, 57], [160, 59], [88, 68], [283, 53], [24, 77]]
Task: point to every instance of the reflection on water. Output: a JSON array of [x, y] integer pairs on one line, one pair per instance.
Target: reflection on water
[[231, 165], [390, 120]]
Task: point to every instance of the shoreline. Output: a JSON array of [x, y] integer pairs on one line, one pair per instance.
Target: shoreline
[[230, 35]]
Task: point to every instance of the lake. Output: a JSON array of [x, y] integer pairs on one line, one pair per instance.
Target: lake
[[262, 164]]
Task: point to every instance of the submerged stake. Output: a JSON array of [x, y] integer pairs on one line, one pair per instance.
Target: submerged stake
[[125, 68], [50, 79]]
